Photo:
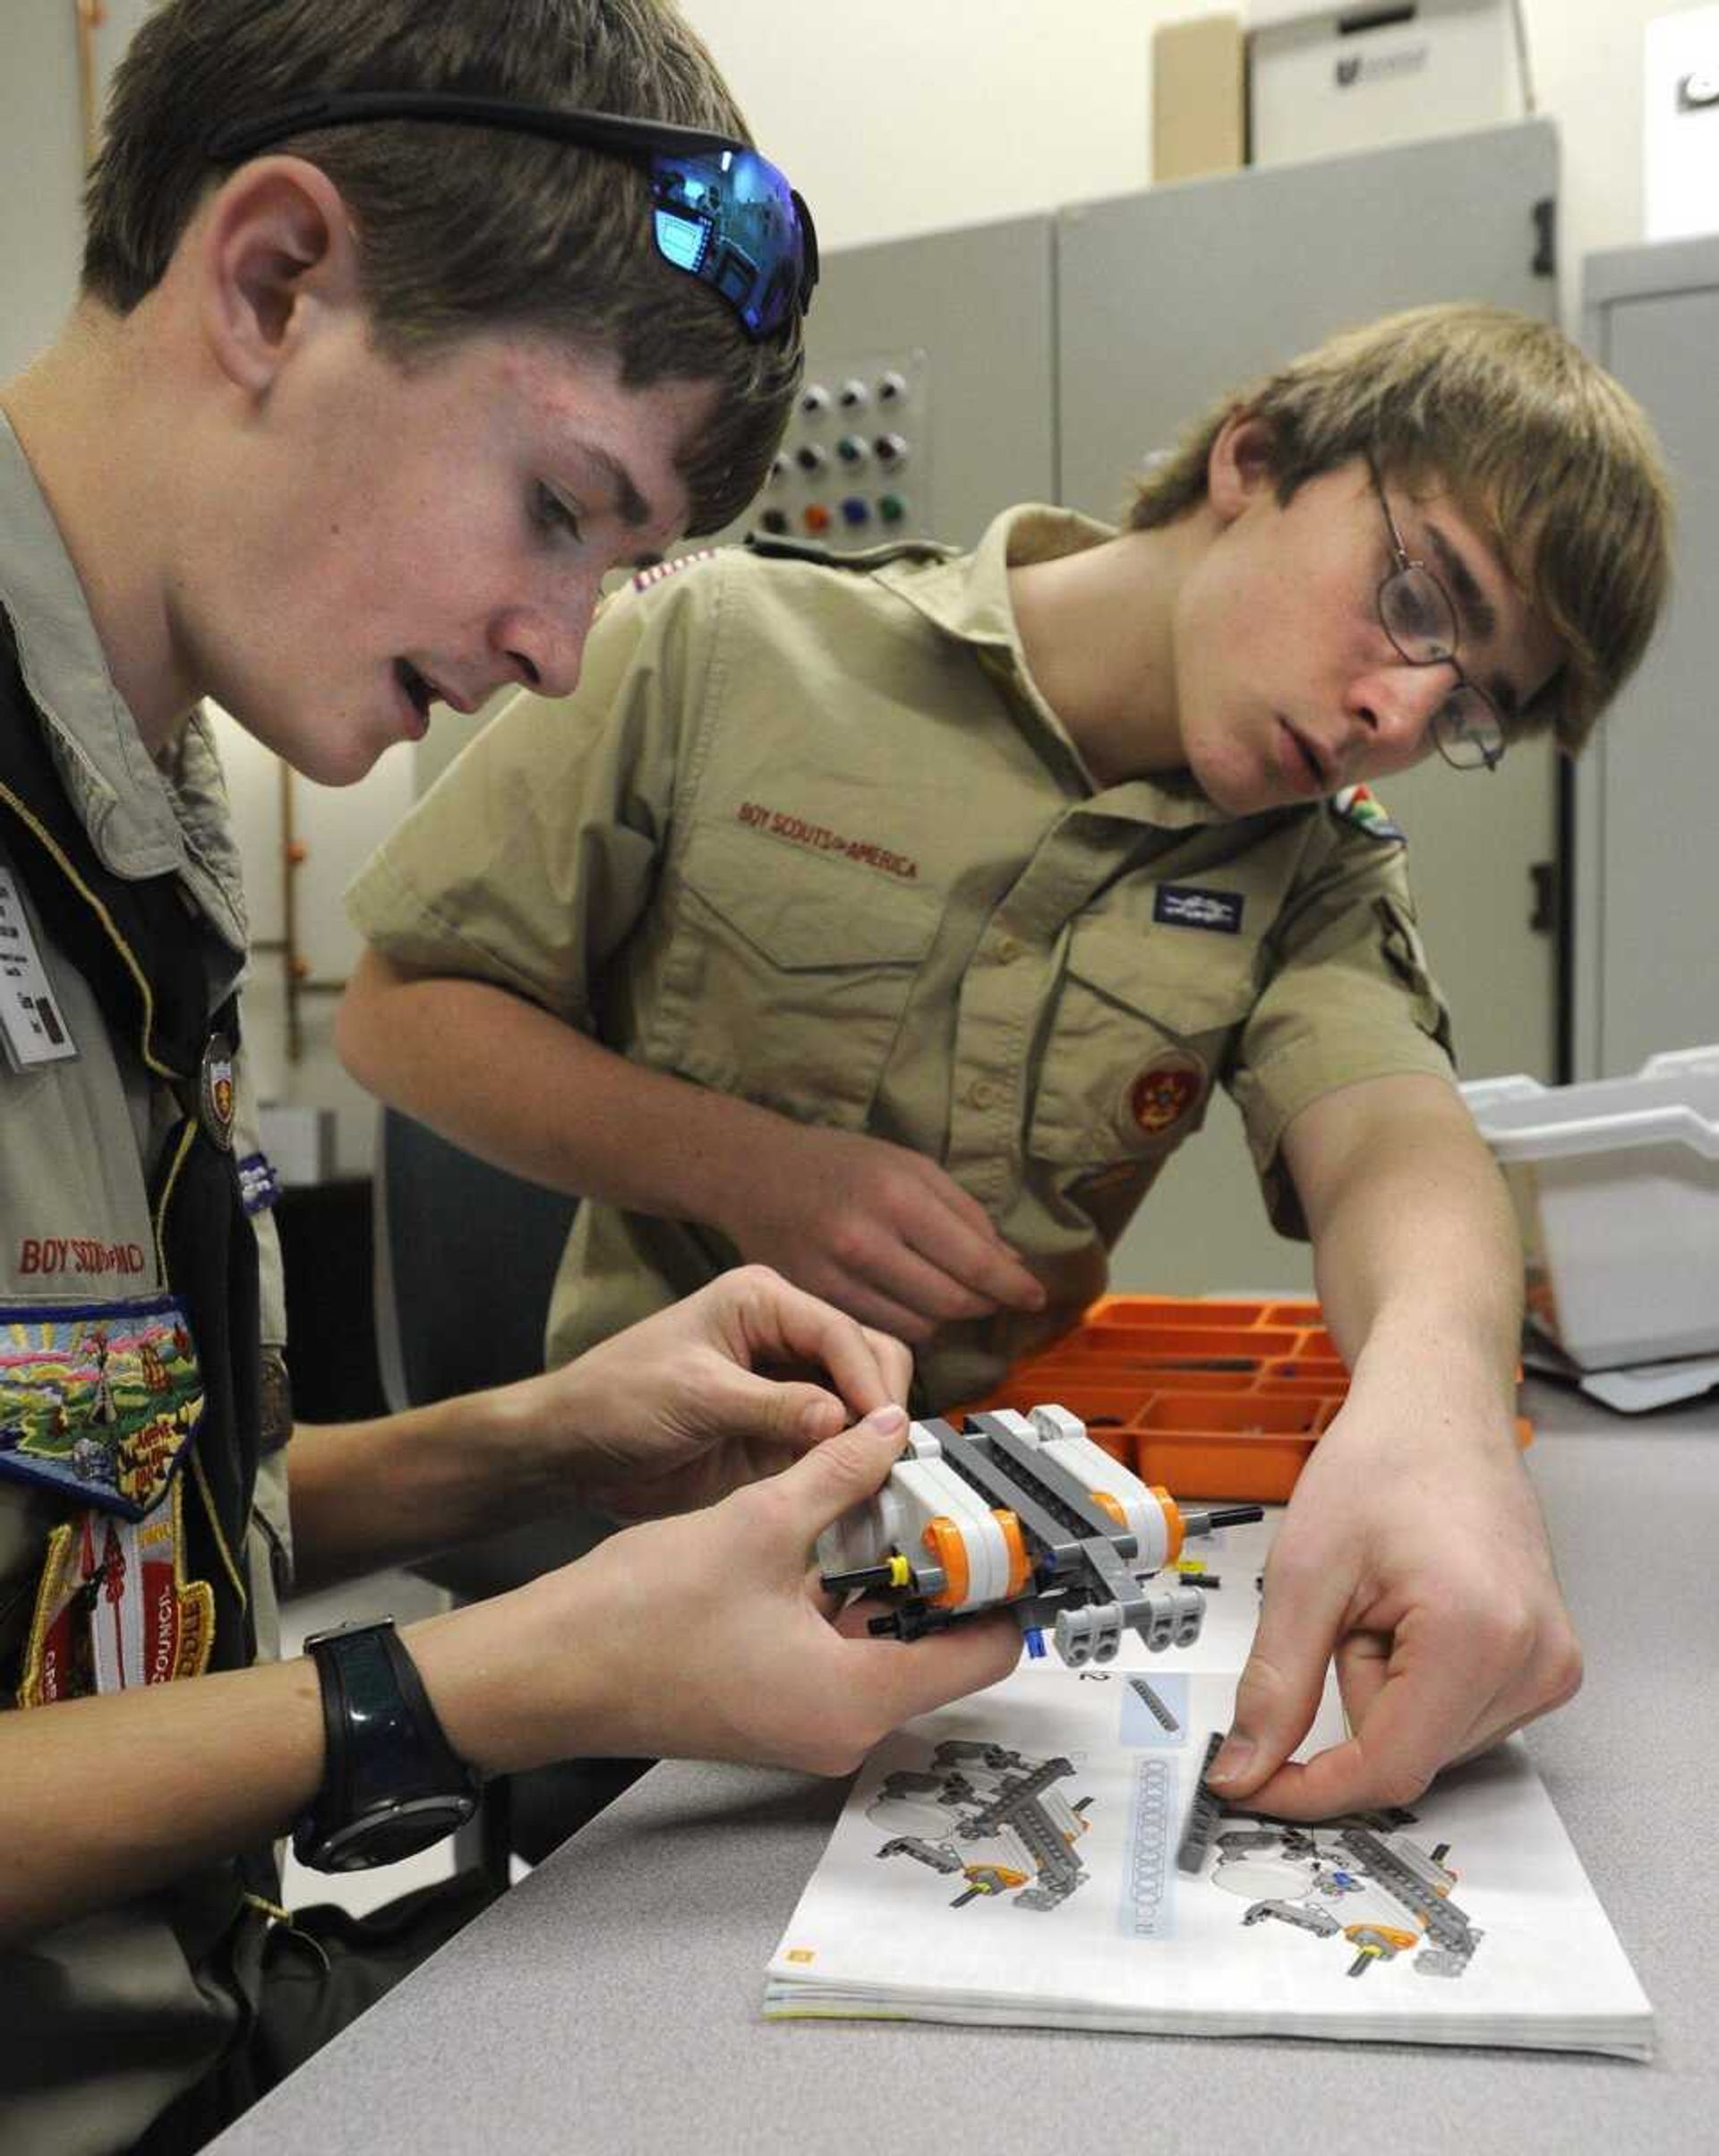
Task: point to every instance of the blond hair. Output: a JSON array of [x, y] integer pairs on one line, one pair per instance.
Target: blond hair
[[1553, 459]]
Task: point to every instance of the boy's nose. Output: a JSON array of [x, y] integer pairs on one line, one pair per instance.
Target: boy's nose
[[546, 648], [1396, 704]]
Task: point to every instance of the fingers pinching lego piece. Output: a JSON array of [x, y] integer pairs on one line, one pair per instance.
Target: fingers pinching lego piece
[[1204, 1810]]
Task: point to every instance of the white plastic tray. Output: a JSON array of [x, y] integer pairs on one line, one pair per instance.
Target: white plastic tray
[[1616, 1185]]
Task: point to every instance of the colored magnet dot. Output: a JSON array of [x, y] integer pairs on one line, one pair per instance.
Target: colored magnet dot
[[892, 508], [774, 521], [817, 517], [856, 510]]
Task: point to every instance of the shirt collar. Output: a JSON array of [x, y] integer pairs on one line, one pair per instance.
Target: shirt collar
[[141, 821], [968, 597]]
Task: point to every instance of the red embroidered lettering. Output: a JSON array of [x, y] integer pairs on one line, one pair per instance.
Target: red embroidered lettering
[[821, 839], [78, 1253], [161, 1667]]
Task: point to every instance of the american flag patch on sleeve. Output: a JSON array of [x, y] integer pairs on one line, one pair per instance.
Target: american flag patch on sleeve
[[659, 572]]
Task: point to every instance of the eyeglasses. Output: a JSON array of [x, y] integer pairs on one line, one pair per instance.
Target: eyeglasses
[[721, 212], [1416, 612]]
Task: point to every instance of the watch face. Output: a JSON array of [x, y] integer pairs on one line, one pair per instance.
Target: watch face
[[384, 1837]]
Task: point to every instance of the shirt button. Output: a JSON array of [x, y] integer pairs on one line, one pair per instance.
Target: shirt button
[[1006, 949], [981, 1093]]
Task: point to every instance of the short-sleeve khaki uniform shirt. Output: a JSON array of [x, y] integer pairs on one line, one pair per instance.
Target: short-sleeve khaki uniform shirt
[[808, 833]]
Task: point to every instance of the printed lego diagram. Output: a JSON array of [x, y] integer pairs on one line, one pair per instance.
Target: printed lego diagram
[[1155, 1711], [1360, 1882], [1146, 1909], [989, 1818]]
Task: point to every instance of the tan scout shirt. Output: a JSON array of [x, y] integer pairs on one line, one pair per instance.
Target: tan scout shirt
[[810, 835], [104, 2021]]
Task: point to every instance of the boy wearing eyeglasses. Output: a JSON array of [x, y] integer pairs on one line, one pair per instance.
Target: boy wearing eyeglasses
[[403, 322], [892, 923]]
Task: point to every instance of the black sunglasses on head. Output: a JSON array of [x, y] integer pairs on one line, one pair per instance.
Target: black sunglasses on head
[[720, 211]]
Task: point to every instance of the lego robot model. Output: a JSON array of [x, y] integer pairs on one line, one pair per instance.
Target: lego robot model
[[1022, 1511]]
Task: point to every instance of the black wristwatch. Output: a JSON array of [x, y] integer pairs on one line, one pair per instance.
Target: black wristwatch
[[391, 1783]]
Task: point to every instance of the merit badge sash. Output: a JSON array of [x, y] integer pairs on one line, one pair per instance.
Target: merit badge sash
[[99, 1402], [114, 1610]]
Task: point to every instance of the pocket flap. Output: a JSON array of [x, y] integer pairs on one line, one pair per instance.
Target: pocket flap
[[802, 909], [1182, 981]]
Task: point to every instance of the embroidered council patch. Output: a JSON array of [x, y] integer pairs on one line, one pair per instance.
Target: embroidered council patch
[[114, 1609], [97, 1401], [1359, 806], [659, 572], [1166, 1092]]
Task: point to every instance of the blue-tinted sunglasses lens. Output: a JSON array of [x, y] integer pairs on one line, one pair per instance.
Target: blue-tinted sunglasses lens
[[730, 217]]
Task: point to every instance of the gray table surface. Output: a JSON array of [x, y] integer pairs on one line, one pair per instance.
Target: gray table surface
[[611, 1999]]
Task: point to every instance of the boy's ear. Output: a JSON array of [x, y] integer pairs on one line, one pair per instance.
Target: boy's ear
[[277, 257], [1241, 465]]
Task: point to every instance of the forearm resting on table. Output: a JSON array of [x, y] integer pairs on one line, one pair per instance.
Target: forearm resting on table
[[511, 1082]]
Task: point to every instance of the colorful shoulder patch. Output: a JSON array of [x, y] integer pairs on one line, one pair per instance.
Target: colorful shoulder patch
[[97, 1401], [659, 572], [1360, 806]]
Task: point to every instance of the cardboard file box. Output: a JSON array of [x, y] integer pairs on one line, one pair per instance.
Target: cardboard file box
[[1199, 98], [1323, 81]]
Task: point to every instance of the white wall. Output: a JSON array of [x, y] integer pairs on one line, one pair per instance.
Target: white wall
[[942, 113], [911, 115]]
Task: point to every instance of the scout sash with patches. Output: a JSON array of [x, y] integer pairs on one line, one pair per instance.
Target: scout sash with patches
[[144, 956], [97, 1401], [114, 1609]]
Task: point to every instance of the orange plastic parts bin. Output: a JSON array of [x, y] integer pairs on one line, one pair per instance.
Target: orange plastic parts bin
[[1210, 1399]]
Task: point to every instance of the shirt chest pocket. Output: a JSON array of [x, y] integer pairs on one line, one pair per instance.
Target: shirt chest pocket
[[788, 977], [1143, 1025]]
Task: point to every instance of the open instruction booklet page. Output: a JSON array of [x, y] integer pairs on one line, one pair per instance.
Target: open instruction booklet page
[[1044, 1853]]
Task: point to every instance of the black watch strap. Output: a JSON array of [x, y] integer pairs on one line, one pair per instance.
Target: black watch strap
[[391, 1783]]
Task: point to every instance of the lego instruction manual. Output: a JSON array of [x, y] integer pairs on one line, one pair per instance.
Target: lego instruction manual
[[1044, 1853]]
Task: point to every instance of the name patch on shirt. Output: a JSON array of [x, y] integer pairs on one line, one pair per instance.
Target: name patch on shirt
[[31, 1028], [1182, 906]]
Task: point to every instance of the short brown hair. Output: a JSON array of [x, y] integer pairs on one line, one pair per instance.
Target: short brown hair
[[1553, 459], [460, 229]]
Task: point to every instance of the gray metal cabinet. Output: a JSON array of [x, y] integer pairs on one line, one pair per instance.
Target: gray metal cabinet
[[1646, 877]]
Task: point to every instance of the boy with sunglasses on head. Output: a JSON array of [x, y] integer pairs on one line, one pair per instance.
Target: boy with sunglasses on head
[[892, 923], [403, 322]]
